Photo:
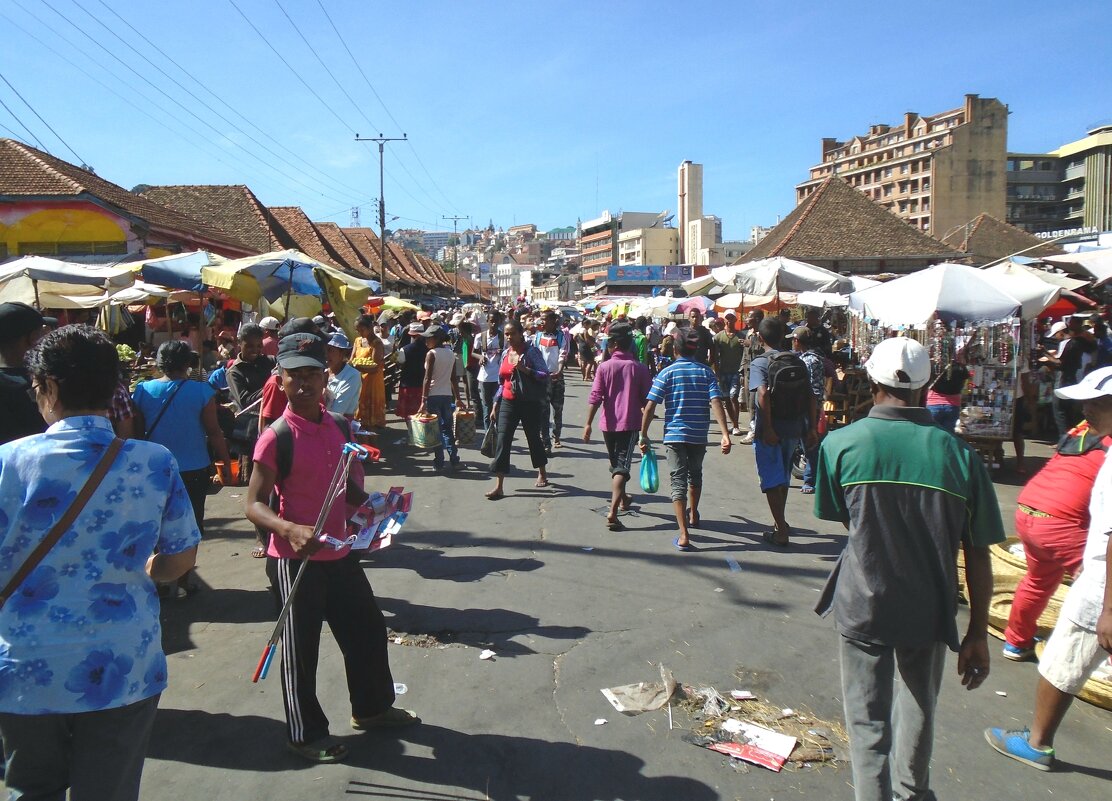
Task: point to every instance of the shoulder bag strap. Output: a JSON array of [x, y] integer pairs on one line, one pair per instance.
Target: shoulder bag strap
[[64, 522], [165, 406]]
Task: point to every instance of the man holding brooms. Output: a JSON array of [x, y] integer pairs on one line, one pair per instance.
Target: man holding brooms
[[333, 587]]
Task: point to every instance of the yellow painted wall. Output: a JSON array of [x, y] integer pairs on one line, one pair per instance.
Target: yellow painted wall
[[59, 225]]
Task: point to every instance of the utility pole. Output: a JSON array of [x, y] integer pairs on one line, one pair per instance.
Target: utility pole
[[382, 140], [455, 253]]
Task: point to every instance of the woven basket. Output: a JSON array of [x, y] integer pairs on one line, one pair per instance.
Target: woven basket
[[1000, 607], [1097, 691]]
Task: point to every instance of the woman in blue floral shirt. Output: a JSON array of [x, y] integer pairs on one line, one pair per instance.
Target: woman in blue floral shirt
[[81, 661]]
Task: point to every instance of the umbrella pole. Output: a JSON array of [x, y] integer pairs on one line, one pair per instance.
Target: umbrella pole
[[289, 292], [35, 286]]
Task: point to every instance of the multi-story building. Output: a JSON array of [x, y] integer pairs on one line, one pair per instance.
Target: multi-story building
[[598, 243], [649, 246], [435, 240], [1068, 189], [699, 234], [759, 232], [936, 172]]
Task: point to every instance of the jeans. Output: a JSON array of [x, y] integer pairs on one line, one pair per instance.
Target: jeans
[[685, 467], [812, 455], [488, 390], [441, 406], [890, 718], [97, 755], [510, 413], [553, 411], [945, 416]]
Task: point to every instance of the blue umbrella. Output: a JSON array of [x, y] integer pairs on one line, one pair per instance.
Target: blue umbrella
[[181, 270]]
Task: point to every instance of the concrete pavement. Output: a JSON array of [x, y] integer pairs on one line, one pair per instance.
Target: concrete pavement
[[568, 608]]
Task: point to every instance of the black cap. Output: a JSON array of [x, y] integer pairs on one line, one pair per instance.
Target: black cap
[[19, 319], [621, 330], [301, 350]]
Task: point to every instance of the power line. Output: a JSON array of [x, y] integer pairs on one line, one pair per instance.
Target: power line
[[44, 122], [356, 106], [296, 74], [330, 179], [24, 127], [381, 102], [175, 101]]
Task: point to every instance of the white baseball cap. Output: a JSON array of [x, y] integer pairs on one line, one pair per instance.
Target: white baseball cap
[[1096, 384], [1058, 328], [269, 323], [900, 363]]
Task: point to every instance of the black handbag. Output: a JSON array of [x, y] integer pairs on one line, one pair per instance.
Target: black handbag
[[490, 439]]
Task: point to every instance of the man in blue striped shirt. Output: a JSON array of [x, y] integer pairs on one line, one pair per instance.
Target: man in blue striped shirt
[[689, 391]]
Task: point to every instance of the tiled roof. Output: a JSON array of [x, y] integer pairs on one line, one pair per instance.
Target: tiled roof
[[366, 241], [411, 266], [232, 208], [837, 222], [27, 172], [988, 239], [305, 235], [339, 244]]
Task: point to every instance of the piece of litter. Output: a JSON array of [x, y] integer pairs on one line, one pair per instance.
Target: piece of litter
[[786, 712], [761, 746], [732, 725], [734, 566], [742, 695], [719, 589], [645, 696], [1002, 693], [398, 641], [587, 549], [487, 654], [600, 721], [400, 689], [235, 496]]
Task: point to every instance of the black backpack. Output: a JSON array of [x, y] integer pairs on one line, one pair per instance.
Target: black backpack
[[789, 385]]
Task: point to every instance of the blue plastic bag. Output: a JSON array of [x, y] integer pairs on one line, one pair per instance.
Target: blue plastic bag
[[650, 476]]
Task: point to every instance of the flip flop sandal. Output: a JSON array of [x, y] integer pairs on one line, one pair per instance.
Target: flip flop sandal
[[322, 751], [615, 525], [541, 484], [258, 552], [495, 496], [686, 547], [771, 538], [694, 521]]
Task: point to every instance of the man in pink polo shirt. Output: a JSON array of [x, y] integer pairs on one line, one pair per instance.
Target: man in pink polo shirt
[[621, 385], [335, 587]]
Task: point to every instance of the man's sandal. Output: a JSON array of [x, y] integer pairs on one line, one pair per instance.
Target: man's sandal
[[322, 751]]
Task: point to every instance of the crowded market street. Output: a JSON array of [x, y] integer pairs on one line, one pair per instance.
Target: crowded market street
[[568, 608]]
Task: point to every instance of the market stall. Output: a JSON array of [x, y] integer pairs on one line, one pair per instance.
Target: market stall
[[962, 313]]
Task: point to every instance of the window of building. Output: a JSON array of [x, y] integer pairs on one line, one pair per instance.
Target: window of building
[[887, 172], [1046, 165], [888, 190], [903, 207], [926, 204], [904, 169]]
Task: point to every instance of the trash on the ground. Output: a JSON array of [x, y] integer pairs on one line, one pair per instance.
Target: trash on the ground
[[787, 712], [600, 721], [486, 654], [587, 549], [742, 695], [714, 705], [398, 641], [235, 496], [400, 689], [645, 696], [733, 564], [756, 744], [719, 589], [1002, 693], [732, 725]]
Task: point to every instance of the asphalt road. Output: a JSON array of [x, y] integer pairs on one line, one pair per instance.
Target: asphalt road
[[568, 608]]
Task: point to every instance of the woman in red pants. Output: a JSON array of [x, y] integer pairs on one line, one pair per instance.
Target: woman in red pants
[[1052, 521]]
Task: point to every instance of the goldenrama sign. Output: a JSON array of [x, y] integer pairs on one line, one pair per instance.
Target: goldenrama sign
[[1090, 231]]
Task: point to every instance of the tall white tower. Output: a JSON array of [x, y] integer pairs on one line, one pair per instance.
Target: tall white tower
[[689, 203]]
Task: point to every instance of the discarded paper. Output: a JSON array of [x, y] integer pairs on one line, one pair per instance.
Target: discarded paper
[[487, 654], [633, 699], [600, 721]]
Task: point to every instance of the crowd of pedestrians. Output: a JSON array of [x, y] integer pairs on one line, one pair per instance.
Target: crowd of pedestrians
[[910, 494]]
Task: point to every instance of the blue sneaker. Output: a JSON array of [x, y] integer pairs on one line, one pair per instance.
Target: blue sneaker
[[1015, 744], [1017, 654]]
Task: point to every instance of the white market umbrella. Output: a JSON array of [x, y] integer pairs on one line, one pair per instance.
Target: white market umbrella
[[822, 300], [55, 284], [1094, 263], [1034, 293], [778, 274], [1057, 279], [951, 291]]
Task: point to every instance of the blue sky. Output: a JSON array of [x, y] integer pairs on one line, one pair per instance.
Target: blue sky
[[527, 111]]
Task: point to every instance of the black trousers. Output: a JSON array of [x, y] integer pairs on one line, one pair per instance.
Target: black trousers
[[528, 414], [197, 483], [338, 593]]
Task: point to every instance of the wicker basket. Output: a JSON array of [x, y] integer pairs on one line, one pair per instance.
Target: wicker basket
[[1097, 690], [1000, 607]]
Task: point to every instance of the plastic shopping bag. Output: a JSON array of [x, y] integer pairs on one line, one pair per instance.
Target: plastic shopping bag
[[424, 431], [650, 476]]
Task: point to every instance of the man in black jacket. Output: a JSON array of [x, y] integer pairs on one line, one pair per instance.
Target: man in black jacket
[[21, 326]]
